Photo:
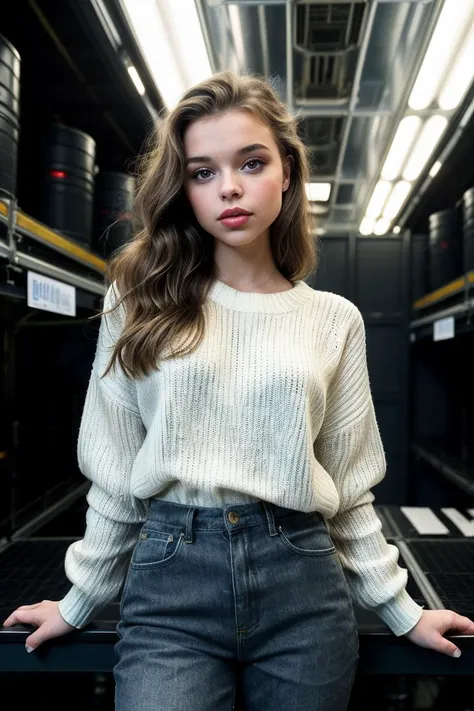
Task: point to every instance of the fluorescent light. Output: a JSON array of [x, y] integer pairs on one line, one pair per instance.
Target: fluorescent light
[[444, 44], [427, 142], [318, 192], [378, 199], [367, 226], [381, 226], [396, 199], [460, 75], [396, 230], [435, 168], [136, 80], [401, 145], [169, 35]]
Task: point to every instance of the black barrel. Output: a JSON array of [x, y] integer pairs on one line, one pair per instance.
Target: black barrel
[[9, 116], [68, 198], [468, 230], [113, 225], [419, 276], [446, 261]]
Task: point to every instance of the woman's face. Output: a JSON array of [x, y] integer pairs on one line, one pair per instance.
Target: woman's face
[[232, 161]]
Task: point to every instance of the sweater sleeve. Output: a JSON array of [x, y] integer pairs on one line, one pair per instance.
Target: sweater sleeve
[[349, 447], [110, 436]]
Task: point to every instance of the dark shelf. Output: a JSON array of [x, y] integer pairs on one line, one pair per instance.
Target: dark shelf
[[455, 299], [27, 244]]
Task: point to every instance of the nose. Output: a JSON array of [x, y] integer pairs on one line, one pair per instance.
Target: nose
[[230, 186]]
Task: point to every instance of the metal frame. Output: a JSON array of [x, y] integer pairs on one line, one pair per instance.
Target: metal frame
[[366, 29], [11, 216], [347, 107]]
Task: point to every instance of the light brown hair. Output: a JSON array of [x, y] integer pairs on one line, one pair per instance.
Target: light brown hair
[[163, 275]]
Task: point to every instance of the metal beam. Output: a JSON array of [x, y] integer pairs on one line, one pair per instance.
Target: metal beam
[[38, 265], [262, 26], [322, 111], [289, 55], [205, 33], [366, 31], [402, 107]]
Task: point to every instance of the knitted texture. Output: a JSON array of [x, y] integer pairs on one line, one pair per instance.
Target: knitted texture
[[275, 405]]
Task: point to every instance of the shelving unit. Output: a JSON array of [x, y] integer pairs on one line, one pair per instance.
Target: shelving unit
[[454, 300], [27, 244], [46, 359], [442, 394]]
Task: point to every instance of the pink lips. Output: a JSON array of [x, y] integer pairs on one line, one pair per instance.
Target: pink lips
[[235, 217], [236, 221]]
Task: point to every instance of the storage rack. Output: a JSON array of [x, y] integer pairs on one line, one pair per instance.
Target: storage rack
[[455, 301], [28, 244]]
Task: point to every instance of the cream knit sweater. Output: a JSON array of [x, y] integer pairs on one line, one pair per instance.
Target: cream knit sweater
[[275, 404]]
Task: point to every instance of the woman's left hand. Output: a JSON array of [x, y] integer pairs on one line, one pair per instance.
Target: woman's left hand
[[433, 624]]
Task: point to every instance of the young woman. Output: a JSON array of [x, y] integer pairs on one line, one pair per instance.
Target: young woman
[[230, 436]]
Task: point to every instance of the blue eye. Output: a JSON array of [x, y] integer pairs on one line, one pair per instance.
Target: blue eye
[[255, 160], [198, 173], [203, 174]]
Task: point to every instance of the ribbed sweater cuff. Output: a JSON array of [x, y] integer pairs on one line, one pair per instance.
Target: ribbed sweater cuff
[[401, 613], [78, 609]]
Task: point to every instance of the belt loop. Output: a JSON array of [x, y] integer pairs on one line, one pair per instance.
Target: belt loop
[[189, 525], [270, 518]]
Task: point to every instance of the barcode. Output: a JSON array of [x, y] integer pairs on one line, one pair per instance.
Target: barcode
[[44, 291]]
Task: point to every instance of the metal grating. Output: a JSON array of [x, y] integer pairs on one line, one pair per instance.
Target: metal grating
[[449, 567], [322, 136], [328, 28]]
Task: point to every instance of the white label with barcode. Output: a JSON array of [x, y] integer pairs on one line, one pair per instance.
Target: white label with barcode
[[443, 329], [51, 295]]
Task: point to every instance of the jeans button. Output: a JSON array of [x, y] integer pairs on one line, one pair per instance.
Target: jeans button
[[233, 517]]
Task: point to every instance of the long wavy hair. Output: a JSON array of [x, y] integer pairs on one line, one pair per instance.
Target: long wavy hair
[[163, 275]]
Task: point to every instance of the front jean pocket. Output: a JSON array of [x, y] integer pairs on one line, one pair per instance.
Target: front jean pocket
[[306, 535], [156, 547]]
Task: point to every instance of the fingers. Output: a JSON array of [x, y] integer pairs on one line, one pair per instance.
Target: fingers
[[463, 624], [443, 645], [22, 616], [38, 637], [8, 622]]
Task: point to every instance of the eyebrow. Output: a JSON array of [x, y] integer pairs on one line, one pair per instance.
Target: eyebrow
[[240, 152]]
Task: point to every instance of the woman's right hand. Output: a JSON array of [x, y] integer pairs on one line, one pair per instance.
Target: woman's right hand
[[43, 615]]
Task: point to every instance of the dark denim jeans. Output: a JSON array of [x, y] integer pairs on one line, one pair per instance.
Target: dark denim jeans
[[246, 602]]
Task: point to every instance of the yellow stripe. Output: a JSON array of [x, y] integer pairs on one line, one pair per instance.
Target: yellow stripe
[[3, 208], [446, 290], [3, 455], [470, 277], [36, 228]]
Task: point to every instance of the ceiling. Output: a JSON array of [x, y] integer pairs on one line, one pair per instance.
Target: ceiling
[[345, 68]]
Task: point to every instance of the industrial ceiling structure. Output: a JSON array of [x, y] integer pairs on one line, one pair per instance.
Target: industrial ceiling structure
[[383, 88], [380, 86]]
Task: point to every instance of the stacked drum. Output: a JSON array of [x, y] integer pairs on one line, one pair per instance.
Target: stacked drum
[[68, 198], [445, 247], [468, 230], [113, 227]]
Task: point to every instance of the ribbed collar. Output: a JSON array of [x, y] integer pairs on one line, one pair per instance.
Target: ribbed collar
[[252, 302]]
